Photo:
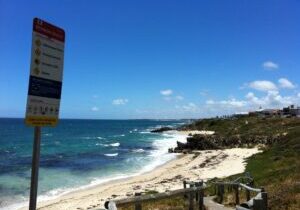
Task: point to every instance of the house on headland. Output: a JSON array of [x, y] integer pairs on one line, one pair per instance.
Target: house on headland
[[290, 111]]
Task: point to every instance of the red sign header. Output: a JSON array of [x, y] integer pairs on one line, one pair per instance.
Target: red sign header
[[48, 29]]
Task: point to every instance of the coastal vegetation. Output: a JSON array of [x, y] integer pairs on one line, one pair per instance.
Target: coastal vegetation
[[276, 168]]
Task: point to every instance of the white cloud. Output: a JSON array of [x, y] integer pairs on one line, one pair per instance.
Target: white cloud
[[285, 83], [233, 103], [179, 98], [250, 95], [269, 65], [95, 109], [190, 107], [253, 99], [227, 103], [210, 102], [263, 85], [272, 99], [120, 101], [167, 92]]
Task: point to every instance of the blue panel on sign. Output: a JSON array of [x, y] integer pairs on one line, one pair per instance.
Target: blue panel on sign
[[44, 87]]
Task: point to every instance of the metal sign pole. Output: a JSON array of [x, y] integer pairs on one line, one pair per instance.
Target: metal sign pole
[[44, 89], [35, 168]]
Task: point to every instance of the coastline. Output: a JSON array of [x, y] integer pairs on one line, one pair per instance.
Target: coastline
[[204, 165], [161, 149]]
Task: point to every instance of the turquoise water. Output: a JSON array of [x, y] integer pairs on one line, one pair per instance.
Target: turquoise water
[[77, 154]]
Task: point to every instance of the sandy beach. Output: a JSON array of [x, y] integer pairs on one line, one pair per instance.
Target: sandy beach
[[199, 165]]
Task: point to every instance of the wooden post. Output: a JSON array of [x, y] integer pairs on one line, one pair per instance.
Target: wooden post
[[184, 187], [264, 196], [221, 188], [247, 195], [215, 189], [197, 184], [191, 197], [137, 205], [191, 201], [200, 200], [35, 168], [258, 204], [237, 199]]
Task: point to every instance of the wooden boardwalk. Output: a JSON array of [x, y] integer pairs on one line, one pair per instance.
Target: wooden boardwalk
[[211, 205]]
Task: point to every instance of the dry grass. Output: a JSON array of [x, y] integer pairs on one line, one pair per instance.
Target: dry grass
[[174, 203], [277, 169]]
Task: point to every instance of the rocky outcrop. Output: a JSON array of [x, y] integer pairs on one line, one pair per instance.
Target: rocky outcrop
[[162, 129], [207, 142]]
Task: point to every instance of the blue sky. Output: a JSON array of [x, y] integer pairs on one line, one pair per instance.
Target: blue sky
[[158, 59]]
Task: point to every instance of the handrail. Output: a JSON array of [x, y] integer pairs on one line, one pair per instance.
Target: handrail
[[241, 185], [156, 196], [226, 183], [250, 188], [258, 202], [245, 177], [236, 181], [194, 192]]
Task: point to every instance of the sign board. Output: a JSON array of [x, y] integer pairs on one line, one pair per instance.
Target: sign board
[[46, 73]]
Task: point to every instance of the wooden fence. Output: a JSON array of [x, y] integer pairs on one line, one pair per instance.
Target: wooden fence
[[259, 202], [192, 191]]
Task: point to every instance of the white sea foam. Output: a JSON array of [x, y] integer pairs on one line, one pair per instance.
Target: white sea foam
[[134, 130], [160, 153], [112, 155], [115, 144], [145, 132], [99, 137], [138, 150]]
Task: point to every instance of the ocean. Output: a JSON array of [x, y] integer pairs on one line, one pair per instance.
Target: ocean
[[78, 154]]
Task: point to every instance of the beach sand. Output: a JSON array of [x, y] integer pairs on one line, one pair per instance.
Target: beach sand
[[200, 165]]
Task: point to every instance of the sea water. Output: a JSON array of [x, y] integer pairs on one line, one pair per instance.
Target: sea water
[[77, 154]]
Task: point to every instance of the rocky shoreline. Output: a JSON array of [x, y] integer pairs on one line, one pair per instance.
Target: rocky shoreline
[[162, 129], [212, 142]]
